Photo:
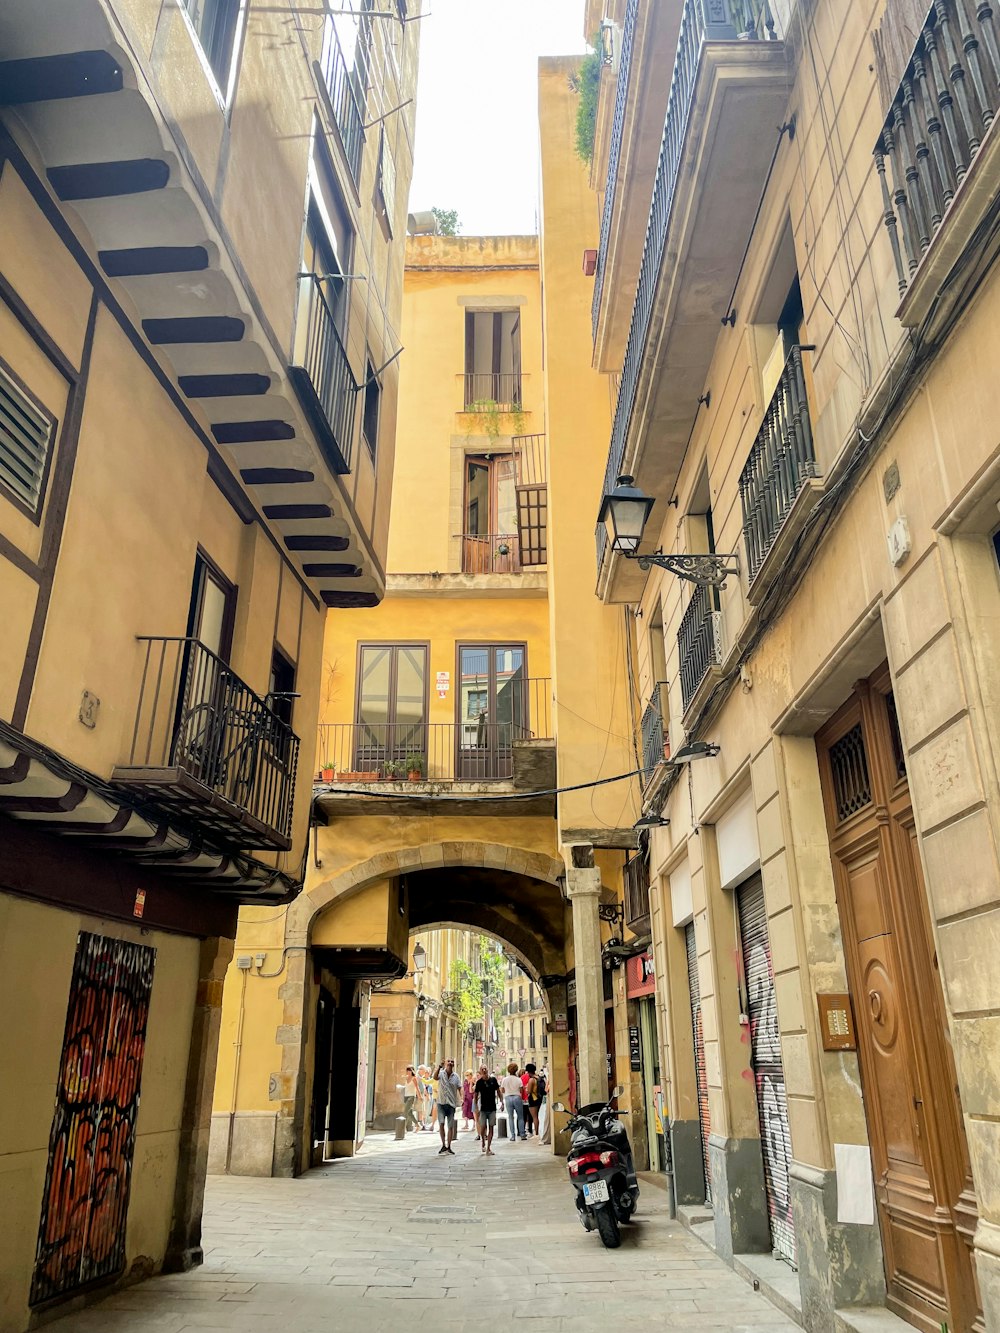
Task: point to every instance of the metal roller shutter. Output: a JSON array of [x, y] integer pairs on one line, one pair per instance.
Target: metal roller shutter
[[701, 1073], [769, 1075]]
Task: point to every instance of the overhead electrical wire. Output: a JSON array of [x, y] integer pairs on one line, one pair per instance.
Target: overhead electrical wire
[[489, 799]]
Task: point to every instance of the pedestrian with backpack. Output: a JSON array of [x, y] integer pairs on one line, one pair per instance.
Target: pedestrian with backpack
[[535, 1090]]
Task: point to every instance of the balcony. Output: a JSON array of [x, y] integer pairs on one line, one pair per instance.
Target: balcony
[[655, 736], [514, 754], [342, 102], [778, 485], [728, 94], [89, 114], [636, 882], [322, 375], [699, 642], [205, 746], [648, 46], [491, 554], [492, 391], [937, 156]]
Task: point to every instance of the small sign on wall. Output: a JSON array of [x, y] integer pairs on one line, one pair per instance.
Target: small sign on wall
[[634, 1050], [442, 683]]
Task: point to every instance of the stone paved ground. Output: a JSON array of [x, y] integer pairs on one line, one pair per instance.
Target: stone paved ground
[[359, 1245]]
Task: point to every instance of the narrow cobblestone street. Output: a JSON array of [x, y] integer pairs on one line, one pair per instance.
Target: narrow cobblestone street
[[400, 1233]]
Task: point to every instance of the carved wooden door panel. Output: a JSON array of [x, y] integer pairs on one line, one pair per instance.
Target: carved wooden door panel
[[914, 1119]]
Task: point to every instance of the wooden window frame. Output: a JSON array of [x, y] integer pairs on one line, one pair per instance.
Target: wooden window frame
[[231, 592], [362, 644]]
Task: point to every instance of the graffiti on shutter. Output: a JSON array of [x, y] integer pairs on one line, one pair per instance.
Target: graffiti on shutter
[[765, 1055], [81, 1236], [701, 1073]]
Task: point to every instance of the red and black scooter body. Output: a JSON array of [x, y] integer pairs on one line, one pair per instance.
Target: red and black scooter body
[[602, 1171]]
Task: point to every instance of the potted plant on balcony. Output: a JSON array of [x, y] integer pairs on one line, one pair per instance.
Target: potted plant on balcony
[[395, 769], [326, 770], [414, 767]]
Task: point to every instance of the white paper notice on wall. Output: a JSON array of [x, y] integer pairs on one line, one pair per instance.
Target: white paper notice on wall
[[855, 1199]]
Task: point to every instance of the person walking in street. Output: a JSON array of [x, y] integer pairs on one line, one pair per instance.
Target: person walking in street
[[467, 1085], [545, 1109], [485, 1094], [513, 1103], [449, 1090], [535, 1091], [429, 1103], [525, 1080], [413, 1097]]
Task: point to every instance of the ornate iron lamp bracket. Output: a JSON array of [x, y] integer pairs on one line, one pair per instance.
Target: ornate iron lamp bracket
[[613, 912], [707, 570]]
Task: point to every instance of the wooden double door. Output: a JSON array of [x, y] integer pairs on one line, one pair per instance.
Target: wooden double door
[[923, 1183]]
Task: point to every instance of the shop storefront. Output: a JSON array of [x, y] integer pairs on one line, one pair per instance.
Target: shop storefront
[[640, 987]]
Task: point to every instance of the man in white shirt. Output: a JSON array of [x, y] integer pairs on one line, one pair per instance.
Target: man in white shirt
[[449, 1091]]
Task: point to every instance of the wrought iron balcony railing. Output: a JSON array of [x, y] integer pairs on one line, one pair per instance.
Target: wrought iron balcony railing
[[323, 376], [655, 736], [780, 462], [205, 744], [636, 881], [623, 93], [699, 640], [492, 390], [495, 554], [344, 101], [945, 104], [476, 750], [701, 21]]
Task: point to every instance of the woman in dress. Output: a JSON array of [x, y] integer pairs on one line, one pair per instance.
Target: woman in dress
[[468, 1084]]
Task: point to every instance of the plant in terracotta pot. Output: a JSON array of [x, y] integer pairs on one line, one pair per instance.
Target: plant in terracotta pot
[[414, 767], [326, 770], [394, 769]]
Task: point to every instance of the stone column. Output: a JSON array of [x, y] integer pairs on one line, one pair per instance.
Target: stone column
[[583, 887], [184, 1246]]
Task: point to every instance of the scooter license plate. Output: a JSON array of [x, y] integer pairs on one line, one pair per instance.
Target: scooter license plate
[[596, 1192]]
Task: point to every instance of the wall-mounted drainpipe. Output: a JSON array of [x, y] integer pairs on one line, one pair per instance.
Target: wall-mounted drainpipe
[[238, 1050]]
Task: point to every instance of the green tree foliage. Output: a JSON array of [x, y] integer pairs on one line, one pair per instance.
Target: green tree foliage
[[447, 220], [587, 85], [468, 983]]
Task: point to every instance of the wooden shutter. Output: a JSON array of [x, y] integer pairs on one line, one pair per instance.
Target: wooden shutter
[[765, 1055], [25, 436], [701, 1072], [532, 524]]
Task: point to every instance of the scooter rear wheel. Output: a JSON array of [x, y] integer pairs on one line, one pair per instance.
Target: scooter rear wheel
[[607, 1226]]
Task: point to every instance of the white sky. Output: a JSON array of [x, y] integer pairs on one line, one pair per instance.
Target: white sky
[[477, 107]]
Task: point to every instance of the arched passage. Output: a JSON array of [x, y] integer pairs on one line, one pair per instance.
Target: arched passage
[[512, 893]]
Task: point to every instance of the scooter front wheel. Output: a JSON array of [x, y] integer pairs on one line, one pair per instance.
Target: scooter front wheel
[[607, 1227]]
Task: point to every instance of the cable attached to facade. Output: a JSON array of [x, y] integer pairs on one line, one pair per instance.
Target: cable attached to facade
[[465, 800]]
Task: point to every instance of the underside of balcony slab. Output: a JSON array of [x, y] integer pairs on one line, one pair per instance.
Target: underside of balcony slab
[[86, 130], [738, 103]]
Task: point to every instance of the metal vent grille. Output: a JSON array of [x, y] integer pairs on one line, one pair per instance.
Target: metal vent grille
[[852, 787], [25, 434]]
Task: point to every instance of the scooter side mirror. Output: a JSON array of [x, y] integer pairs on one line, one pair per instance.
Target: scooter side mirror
[[618, 1090], [558, 1106]]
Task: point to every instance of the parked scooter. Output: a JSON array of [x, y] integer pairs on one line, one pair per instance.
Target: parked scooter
[[601, 1168]]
